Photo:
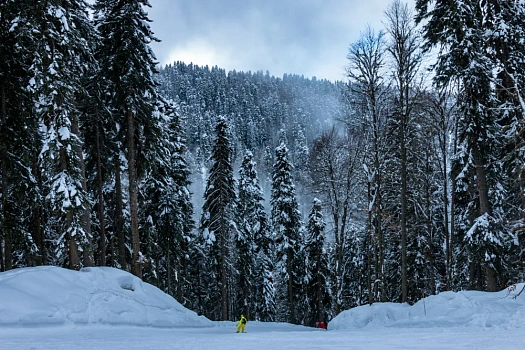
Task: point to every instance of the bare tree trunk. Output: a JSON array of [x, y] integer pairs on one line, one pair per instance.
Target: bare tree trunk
[[290, 285], [136, 263], [484, 207], [74, 259], [119, 220], [448, 239], [404, 282], [7, 264], [100, 205], [369, 249], [224, 273], [38, 233], [320, 292], [430, 254], [87, 250]]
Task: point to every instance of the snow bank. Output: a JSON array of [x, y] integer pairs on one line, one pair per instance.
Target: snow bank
[[447, 309], [50, 295]]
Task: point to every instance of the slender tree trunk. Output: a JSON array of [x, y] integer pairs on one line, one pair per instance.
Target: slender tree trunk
[[448, 240], [100, 206], [369, 248], [453, 183], [320, 290], [87, 250], [7, 264], [484, 207], [119, 219], [136, 263], [168, 270], [291, 298], [74, 258], [404, 282], [37, 231], [429, 227], [224, 274]]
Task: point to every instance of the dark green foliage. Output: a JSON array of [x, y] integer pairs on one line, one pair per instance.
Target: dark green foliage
[[317, 286], [217, 227], [255, 296], [286, 223]]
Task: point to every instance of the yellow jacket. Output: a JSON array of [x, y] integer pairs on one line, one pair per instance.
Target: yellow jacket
[[242, 320]]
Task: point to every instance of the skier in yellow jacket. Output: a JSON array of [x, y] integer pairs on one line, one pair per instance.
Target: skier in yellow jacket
[[241, 324]]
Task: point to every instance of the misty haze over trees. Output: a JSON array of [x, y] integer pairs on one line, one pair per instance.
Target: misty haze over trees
[[285, 199]]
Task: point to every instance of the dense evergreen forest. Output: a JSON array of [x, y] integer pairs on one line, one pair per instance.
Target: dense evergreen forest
[[285, 199]]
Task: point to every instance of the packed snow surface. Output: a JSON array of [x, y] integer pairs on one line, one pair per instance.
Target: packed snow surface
[[49, 308]]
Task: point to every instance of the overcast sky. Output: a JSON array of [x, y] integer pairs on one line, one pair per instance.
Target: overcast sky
[[308, 37]]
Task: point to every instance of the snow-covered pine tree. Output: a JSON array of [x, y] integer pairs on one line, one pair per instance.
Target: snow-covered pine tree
[[256, 297], [286, 223], [128, 65], [318, 275], [60, 60], [249, 197], [167, 214], [21, 238], [506, 35], [458, 28], [217, 227], [183, 224]]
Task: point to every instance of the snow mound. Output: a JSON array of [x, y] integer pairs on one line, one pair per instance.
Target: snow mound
[[48, 295], [447, 309]]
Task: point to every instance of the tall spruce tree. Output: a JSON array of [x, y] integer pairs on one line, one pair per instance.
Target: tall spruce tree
[[217, 226], [318, 276], [128, 65], [61, 59], [286, 224], [458, 28], [256, 290], [21, 236]]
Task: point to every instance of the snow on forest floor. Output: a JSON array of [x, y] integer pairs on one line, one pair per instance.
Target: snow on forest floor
[[48, 308]]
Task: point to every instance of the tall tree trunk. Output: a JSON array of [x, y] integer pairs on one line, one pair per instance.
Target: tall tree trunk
[[100, 205], [291, 298], [87, 250], [484, 208], [369, 248], [404, 282], [136, 263], [37, 232], [74, 258], [224, 275], [320, 291], [7, 264], [428, 201], [448, 239], [119, 219]]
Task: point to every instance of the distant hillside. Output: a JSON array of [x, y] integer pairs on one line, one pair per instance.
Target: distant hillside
[[257, 105]]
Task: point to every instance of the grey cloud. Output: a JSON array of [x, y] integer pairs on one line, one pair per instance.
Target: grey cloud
[[309, 37]]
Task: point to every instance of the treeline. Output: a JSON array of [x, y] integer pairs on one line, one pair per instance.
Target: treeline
[[416, 189]]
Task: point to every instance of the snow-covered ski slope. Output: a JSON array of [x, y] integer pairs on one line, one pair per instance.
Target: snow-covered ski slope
[[48, 308]]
